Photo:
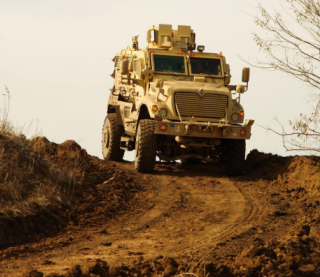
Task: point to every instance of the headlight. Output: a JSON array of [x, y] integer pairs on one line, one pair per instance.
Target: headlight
[[163, 112], [235, 117]]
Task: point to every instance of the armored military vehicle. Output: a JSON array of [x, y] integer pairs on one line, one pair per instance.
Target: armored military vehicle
[[174, 102]]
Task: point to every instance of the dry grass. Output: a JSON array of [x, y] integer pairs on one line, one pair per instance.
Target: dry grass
[[5, 125], [35, 173]]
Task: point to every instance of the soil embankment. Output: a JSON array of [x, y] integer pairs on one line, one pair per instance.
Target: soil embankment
[[113, 221]]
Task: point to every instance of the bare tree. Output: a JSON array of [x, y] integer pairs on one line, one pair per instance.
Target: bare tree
[[292, 45]]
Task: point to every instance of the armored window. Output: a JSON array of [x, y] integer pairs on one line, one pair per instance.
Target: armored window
[[174, 64], [205, 66]]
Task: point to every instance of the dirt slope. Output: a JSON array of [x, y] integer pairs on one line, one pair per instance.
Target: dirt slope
[[181, 219]]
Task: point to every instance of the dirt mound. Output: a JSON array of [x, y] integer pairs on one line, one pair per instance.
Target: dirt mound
[[110, 220], [296, 177], [293, 255], [46, 186], [267, 166]]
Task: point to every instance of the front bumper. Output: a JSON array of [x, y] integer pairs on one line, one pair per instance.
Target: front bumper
[[204, 129]]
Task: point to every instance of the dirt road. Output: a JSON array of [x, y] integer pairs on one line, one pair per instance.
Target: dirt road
[[193, 214]]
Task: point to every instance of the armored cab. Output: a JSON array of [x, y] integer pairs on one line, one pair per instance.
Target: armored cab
[[174, 101]]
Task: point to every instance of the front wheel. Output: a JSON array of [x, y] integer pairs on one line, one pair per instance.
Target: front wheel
[[111, 139], [146, 146], [235, 152]]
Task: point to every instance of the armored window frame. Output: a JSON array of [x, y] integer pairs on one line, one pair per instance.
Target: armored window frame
[[169, 72], [203, 59]]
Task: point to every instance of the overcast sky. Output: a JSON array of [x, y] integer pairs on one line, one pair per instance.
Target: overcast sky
[[55, 58]]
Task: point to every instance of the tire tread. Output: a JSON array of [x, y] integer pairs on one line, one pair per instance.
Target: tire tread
[[146, 159], [115, 153]]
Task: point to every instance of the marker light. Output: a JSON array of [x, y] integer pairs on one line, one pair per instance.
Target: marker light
[[241, 113], [152, 52], [163, 127], [154, 108], [243, 132]]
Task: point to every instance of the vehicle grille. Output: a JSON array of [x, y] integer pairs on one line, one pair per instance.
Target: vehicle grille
[[210, 105]]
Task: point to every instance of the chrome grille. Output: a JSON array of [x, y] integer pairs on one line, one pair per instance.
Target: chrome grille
[[210, 105]]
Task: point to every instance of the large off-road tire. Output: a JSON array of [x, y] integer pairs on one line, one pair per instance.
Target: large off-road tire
[[146, 146], [111, 137], [235, 152]]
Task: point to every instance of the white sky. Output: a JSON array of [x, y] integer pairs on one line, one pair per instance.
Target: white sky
[[55, 58]]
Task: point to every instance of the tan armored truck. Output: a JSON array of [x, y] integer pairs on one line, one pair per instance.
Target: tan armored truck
[[175, 102]]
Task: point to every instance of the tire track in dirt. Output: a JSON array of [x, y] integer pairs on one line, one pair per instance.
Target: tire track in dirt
[[241, 224], [184, 210], [241, 209]]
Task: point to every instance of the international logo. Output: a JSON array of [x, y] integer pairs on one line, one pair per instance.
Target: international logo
[[201, 92]]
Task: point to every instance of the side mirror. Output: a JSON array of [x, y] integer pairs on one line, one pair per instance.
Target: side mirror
[[124, 70], [240, 88], [245, 74]]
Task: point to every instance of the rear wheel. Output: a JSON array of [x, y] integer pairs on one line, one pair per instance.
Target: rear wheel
[[146, 146], [235, 151], [111, 138]]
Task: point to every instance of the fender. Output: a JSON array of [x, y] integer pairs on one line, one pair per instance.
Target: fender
[[116, 110], [143, 113]]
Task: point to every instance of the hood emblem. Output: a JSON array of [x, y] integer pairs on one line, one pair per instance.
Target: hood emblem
[[201, 92]]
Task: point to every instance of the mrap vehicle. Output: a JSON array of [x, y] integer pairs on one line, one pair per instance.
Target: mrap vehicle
[[175, 102]]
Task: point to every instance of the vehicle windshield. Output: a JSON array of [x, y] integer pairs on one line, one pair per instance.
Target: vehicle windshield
[[164, 63], [205, 66]]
